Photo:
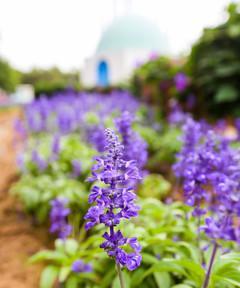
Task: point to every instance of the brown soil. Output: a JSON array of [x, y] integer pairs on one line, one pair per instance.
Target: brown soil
[[18, 238]]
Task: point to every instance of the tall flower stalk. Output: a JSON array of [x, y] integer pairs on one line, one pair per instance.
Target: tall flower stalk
[[113, 200], [210, 170], [135, 148], [209, 270]]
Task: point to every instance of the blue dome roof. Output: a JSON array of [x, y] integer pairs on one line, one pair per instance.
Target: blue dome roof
[[132, 32]]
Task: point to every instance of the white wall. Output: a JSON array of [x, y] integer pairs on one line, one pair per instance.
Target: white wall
[[121, 65]]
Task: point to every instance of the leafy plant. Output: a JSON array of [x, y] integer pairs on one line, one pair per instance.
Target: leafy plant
[[60, 261], [36, 193], [214, 66], [154, 82], [154, 185], [51, 81], [71, 149], [162, 147], [9, 77]]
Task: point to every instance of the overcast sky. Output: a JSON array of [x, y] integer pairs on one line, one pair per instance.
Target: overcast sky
[[64, 32]]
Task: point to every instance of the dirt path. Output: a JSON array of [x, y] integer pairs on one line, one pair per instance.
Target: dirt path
[[18, 238]]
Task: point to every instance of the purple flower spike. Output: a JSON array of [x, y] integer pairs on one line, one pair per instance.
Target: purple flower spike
[[58, 218], [114, 201], [138, 151], [209, 168]]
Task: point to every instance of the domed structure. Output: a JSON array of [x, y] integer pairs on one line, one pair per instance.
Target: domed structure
[[132, 32], [127, 41]]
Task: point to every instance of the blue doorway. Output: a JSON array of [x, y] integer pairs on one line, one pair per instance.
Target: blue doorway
[[103, 74]]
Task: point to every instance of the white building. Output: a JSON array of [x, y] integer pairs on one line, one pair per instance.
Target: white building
[[127, 41], [24, 94]]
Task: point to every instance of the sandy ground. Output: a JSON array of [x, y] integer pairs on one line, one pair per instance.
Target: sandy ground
[[18, 238]]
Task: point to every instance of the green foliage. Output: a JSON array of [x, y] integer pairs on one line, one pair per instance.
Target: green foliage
[[60, 260], [171, 256], [155, 227], [160, 69], [162, 147], [71, 148], [154, 185], [154, 82], [9, 77], [167, 147], [150, 136], [36, 193], [172, 253], [37, 188], [51, 80], [214, 64]]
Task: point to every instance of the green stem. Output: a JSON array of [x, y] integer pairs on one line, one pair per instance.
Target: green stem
[[207, 277], [74, 220], [120, 275]]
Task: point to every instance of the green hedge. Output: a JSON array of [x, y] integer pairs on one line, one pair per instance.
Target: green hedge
[[214, 65]]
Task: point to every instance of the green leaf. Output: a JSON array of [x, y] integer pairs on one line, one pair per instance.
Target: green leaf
[[233, 256], [71, 247], [149, 259], [135, 275], [234, 30], [59, 245], [154, 185], [163, 279], [64, 273], [54, 256], [162, 266], [220, 280], [181, 286], [108, 278], [226, 93], [72, 282], [48, 277], [194, 270], [192, 250]]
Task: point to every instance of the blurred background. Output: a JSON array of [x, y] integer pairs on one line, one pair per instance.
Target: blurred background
[[47, 46], [163, 60]]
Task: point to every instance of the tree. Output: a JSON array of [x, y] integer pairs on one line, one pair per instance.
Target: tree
[[51, 80], [9, 77]]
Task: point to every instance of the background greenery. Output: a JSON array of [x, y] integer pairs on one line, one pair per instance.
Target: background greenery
[[214, 65]]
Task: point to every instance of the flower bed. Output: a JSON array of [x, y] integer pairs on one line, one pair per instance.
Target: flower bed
[[87, 173]]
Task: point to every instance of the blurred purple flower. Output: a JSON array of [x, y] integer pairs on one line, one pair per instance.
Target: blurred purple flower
[[95, 136], [39, 161], [210, 169], [64, 112], [76, 168], [136, 151], [20, 128], [153, 56], [58, 218], [176, 116], [181, 81], [55, 148], [79, 266]]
